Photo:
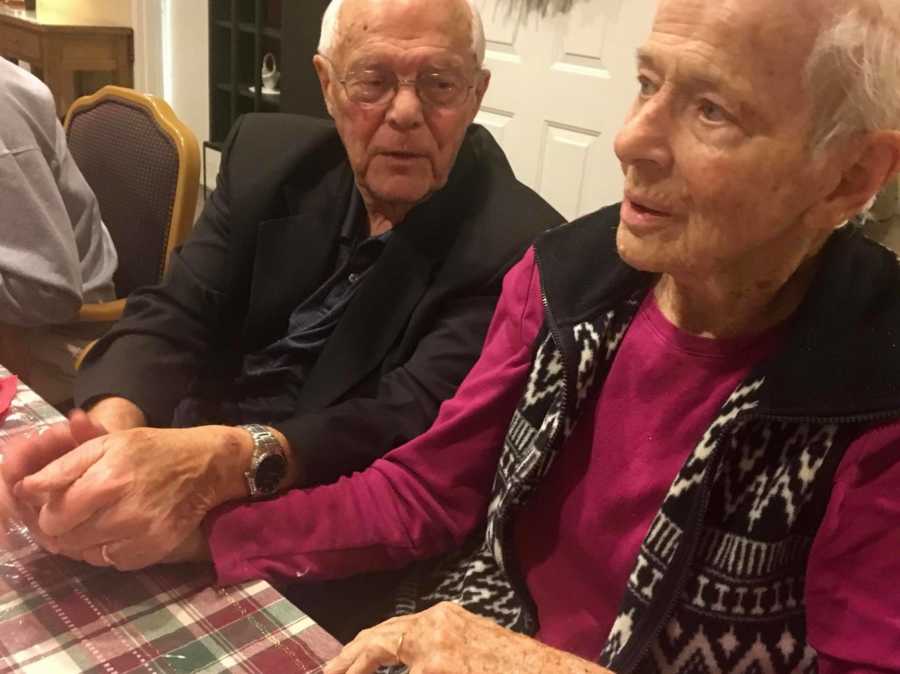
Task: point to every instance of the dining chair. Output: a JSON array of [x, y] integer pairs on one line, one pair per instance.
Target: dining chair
[[143, 164]]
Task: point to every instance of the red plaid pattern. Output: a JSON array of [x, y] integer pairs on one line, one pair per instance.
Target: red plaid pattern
[[58, 615]]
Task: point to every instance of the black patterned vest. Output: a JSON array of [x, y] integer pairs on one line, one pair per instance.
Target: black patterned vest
[[718, 584]]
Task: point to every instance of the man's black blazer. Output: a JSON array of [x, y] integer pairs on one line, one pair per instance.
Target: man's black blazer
[[267, 239]]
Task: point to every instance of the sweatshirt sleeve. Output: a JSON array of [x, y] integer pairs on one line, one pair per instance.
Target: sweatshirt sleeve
[[852, 599], [420, 500]]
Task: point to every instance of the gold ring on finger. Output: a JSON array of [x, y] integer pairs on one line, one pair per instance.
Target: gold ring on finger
[[399, 646]]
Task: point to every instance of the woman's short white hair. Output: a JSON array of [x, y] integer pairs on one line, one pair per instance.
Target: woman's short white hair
[[853, 72], [331, 29]]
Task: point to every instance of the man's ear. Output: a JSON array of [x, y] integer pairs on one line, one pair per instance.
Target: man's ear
[[874, 161], [323, 70], [482, 82]]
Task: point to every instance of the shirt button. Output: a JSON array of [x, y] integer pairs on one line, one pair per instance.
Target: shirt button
[[353, 278]]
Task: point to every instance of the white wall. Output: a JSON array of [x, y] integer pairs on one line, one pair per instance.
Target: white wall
[[171, 44], [147, 20], [115, 12], [186, 63]]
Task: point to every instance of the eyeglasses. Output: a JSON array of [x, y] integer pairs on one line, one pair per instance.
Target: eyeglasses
[[376, 86]]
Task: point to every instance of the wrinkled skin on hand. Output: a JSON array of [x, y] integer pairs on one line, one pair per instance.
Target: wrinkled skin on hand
[[447, 639], [30, 452], [140, 493]]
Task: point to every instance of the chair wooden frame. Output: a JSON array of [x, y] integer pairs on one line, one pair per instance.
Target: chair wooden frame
[[187, 186]]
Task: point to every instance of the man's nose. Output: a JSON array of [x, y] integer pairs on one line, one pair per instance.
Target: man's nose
[[405, 110], [646, 136]]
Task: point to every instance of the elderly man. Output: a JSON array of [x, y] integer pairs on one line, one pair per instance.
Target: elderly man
[[337, 288], [678, 449]]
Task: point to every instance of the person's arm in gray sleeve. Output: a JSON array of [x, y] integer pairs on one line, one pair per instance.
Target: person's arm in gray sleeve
[[40, 274], [94, 245]]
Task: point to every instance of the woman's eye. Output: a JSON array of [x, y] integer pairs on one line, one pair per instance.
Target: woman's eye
[[647, 87]]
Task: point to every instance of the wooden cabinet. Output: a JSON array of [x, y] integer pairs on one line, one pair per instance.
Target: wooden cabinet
[[302, 23], [20, 42], [241, 33], [62, 50]]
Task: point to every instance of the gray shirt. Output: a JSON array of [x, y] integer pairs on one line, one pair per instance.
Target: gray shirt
[[55, 252]]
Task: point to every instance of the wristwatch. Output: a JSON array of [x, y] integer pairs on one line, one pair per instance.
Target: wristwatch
[[268, 465]]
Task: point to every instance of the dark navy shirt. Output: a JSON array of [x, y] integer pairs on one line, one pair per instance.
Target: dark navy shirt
[[263, 391]]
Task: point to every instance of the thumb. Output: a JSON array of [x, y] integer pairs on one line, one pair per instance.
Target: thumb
[[84, 428], [30, 452], [62, 472]]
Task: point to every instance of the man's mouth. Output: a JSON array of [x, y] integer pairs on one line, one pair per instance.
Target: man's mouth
[[400, 154]]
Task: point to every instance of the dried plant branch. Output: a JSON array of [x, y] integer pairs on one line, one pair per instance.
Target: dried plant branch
[[542, 7]]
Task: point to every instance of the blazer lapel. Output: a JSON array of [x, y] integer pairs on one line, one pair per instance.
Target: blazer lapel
[[370, 325], [294, 254], [380, 311]]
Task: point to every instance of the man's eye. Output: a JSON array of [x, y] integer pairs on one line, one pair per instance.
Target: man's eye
[[443, 83], [712, 112], [440, 88], [371, 81], [368, 86]]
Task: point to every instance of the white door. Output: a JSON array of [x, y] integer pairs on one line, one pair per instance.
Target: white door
[[560, 88]]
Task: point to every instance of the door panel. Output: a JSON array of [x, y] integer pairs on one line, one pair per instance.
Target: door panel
[[560, 88]]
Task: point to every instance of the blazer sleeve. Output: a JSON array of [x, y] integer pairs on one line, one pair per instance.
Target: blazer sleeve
[[350, 435], [151, 354], [420, 500]]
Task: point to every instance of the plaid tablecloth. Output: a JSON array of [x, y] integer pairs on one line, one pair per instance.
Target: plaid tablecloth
[[59, 616]]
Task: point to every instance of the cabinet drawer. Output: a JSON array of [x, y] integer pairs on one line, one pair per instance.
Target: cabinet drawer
[[19, 43]]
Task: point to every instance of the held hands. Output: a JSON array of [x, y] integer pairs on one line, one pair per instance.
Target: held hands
[[127, 499], [27, 454], [447, 639]]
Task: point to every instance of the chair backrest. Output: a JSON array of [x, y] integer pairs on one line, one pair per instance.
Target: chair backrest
[[143, 165]]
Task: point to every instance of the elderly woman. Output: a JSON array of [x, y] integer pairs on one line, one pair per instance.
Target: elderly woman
[[679, 448]]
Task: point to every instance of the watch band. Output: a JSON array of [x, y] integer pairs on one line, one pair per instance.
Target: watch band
[[268, 464]]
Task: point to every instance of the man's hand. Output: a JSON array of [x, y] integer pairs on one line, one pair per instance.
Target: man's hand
[[194, 548], [30, 452], [117, 414], [447, 639], [132, 498]]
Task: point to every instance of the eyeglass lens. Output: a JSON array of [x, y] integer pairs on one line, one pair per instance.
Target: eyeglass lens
[[378, 86]]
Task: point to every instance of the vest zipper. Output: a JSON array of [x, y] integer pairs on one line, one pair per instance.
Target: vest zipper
[[683, 572], [516, 578], [851, 419], [554, 331]]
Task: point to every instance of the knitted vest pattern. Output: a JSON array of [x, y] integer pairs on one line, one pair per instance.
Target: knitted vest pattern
[[717, 585]]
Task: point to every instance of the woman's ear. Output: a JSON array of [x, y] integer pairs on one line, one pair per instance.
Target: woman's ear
[[874, 160]]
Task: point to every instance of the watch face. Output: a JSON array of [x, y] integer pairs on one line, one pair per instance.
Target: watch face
[[269, 473]]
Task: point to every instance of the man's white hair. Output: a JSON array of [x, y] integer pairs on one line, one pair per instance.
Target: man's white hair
[[853, 72], [331, 28]]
